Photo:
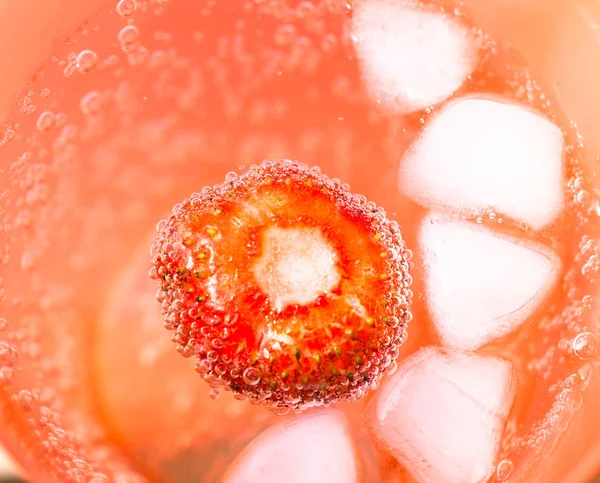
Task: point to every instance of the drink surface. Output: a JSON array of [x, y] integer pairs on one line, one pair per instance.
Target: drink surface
[[437, 122]]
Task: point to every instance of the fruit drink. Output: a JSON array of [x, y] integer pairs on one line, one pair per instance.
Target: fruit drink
[[430, 291]]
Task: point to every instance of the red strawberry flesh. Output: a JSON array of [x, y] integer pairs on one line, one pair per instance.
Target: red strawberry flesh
[[288, 289]]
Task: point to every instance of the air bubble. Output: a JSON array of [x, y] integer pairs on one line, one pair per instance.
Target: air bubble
[[329, 43], [304, 9], [6, 375], [46, 121], [583, 197], [26, 400], [8, 354], [585, 374], [585, 346], [86, 61], [251, 376], [203, 367], [571, 398], [126, 8], [99, 478], [221, 369], [285, 34], [61, 119], [91, 103], [70, 69], [138, 56], [504, 470], [281, 411], [128, 35]]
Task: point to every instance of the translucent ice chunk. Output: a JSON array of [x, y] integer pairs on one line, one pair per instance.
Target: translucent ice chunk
[[316, 448], [8, 468], [481, 285], [411, 57], [442, 414], [479, 154]]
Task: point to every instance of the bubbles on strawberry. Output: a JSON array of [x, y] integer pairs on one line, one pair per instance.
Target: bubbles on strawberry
[[288, 289]]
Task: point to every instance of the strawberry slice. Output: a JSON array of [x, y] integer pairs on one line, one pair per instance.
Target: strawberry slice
[[288, 289]]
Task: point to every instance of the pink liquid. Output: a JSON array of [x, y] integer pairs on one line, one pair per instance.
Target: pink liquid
[[141, 107]]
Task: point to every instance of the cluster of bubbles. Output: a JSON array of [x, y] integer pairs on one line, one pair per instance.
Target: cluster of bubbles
[[192, 231], [589, 257], [126, 8], [41, 338], [347, 366], [299, 46]]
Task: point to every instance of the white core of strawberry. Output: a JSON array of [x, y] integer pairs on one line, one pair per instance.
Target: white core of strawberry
[[296, 266]]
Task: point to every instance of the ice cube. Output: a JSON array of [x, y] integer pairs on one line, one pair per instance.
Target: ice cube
[[411, 56], [481, 285], [480, 154], [443, 412], [315, 448]]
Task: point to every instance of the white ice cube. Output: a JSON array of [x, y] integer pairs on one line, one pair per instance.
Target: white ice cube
[[442, 414], [411, 56], [478, 154], [481, 285], [316, 449]]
